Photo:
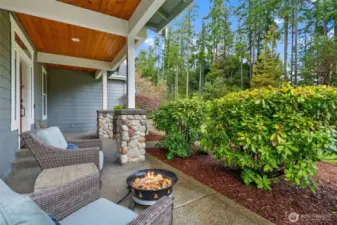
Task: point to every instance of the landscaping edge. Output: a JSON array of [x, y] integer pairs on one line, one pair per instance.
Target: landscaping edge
[[261, 220]]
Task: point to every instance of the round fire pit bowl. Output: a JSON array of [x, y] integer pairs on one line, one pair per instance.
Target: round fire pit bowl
[[149, 197]]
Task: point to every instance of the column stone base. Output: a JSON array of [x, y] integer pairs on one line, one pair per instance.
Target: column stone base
[[104, 124], [131, 128]]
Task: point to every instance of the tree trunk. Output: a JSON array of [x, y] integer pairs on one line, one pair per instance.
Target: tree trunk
[[177, 83], [292, 46], [250, 58], [286, 28], [241, 72], [250, 46], [187, 80], [325, 28], [253, 49], [158, 76], [296, 42]]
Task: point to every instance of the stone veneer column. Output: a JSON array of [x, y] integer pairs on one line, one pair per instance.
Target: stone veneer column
[[104, 124], [130, 135]]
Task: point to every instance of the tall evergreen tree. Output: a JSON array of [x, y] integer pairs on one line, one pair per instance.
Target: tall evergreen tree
[[268, 70]]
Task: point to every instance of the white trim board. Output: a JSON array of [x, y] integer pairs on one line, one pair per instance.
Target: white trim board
[[105, 90], [117, 77], [143, 13], [17, 55], [72, 61], [121, 56], [98, 74], [66, 13], [44, 71]]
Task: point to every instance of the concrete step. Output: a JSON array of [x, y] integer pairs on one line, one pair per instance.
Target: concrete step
[[23, 180], [23, 153], [25, 163]]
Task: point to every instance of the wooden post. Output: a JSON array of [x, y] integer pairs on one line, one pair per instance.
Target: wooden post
[[131, 89]]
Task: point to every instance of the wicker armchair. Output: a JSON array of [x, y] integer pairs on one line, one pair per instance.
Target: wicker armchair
[[51, 157], [161, 213], [64, 201]]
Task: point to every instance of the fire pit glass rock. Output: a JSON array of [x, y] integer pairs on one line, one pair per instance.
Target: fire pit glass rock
[[149, 185]]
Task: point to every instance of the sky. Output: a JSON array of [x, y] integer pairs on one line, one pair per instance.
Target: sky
[[203, 11]]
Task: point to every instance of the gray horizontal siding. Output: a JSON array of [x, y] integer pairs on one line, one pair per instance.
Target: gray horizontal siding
[[8, 139], [116, 91], [73, 99]]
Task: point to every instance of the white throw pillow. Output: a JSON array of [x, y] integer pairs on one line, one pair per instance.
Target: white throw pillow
[[53, 136]]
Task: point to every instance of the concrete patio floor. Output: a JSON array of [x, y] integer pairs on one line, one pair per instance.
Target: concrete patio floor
[[194, 202]]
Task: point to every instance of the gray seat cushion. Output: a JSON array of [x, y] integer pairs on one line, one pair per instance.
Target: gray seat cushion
[[53, 136], [52, 178], [16, 209], [100, 212]]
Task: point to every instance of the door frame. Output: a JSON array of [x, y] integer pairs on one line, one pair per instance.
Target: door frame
[[29, 85], [19, 55]]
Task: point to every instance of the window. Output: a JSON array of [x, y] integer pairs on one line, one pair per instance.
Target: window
[[44, 94]]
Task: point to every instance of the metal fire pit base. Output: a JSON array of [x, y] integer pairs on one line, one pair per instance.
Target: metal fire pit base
[[134, 201]]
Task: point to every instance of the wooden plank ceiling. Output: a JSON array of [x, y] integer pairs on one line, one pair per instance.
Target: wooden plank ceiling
[[56, 37], [122, 9]]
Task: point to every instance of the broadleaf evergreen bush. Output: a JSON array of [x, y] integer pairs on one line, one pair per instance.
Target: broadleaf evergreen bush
[[266, 130], [181, 120]]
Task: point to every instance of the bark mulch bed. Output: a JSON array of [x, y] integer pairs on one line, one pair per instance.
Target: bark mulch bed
[[275, 205], [152, 136]]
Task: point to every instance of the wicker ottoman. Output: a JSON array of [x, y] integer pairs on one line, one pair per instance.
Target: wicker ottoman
[[60, 176]]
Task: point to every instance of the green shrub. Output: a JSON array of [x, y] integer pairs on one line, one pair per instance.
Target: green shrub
[[181, 120], [268, 130], [119, 107]]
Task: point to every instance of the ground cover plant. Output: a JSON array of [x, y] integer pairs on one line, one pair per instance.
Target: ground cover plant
[[270, 130]]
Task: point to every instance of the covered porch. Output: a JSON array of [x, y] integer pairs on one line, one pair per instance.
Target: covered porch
[[194, 202], [62, 62], [91, 36]]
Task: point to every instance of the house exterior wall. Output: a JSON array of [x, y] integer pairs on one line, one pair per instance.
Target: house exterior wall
[[116, 93], [8, 139], [74, 98]]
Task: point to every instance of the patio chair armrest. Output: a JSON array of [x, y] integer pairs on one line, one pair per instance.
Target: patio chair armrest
[[63, 157], [91, 143], [67, 199], [159, 213]]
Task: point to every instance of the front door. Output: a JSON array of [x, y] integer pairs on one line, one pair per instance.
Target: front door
[[25, 96]]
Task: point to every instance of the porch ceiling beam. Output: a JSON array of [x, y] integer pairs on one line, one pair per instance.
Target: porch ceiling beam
[[72, 61], [175, 13], [66, 13], [122, 54], [162, 14], [98, 74], [143, 13]]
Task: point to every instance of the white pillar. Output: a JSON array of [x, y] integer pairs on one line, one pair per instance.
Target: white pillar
[[131, 89], [105, 89]]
